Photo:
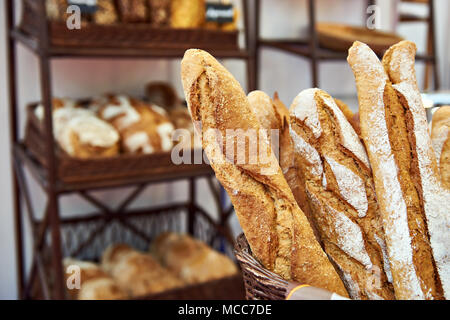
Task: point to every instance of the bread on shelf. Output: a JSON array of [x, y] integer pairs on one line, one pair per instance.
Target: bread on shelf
[[144, 128], [276, 229], [191, 260], [106, 13], [187, 13], [95, 283], [79, 132], [413, 205]]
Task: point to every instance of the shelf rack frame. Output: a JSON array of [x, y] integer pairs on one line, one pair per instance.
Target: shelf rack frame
[[310, 49], [47, 177]]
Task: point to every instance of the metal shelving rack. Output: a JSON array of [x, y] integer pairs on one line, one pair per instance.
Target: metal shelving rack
[[47, 177], [310, 49]]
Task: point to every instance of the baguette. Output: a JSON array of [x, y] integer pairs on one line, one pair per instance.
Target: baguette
[[440, 137], [339, 185], [277, 230], [273, 114], [434, 200], [393, 128]]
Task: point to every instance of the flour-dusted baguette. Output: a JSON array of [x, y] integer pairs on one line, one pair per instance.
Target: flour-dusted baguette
[[434, 200], [386, 118], [274, 115], [276, 229], [440, 137], [340, 189]]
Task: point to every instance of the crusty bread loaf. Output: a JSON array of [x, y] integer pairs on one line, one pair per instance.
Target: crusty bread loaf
[[440, 137], [140, 274], [353, 118], [101, 289], [434, 200], [113, 254], [95, 283], [339, 185], [274, 115], [277, 230], [144, 128], [393, 128], [191, 260]]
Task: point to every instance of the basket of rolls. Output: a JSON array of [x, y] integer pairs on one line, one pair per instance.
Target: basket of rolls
[[338, 206], [111, 136], [176, 266]]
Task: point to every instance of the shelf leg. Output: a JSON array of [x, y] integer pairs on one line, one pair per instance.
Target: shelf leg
[[12, 79], [313, 43], [191, 206]]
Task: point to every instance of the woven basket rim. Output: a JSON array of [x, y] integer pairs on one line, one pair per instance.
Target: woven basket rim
[[260, 283]]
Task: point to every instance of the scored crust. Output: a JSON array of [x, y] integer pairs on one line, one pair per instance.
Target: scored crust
[[340, 190], [383, 128], [434, 199], [440, 137], [276, 229]]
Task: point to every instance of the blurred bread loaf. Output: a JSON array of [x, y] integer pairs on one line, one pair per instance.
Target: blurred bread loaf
[[191, 260], [137, 273], [79, 132], [339, 186], [440, 137], [95, 283], [412, 203], [144, 128], [277, 230], [187, 13]]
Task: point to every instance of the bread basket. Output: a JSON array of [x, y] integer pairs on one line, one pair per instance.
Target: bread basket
[[260, 283]]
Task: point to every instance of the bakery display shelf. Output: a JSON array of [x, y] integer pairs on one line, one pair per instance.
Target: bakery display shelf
[[302, 48], [49, 41], [311, 50], [86, 236], [39, 172], [58, 51]]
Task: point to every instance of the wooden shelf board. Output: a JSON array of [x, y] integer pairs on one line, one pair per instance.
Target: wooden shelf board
[[40, 174], [118, 52]]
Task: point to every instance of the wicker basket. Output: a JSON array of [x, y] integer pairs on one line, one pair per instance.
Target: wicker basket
[[260, 283], [340, 37], [73, 170], [123, 35], [86, 238]]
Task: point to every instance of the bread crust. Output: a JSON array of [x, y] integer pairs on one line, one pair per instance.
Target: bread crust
[[440, 138], [340, 190], [398, 62], [277, 230], [383, 128]]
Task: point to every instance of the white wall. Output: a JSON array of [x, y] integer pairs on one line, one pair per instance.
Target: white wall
[[282, 72]]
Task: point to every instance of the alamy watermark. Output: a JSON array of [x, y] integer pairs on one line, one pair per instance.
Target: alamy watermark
[[237, 146]]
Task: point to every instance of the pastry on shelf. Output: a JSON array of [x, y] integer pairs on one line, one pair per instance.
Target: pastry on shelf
[[162, 94], [191, 260], [159, 12], [440, 136], [138, 273], [56, 9], [132, 10], [106, 12], [79, 132], [182, 120], [94, 283], [144, 128], [187, 13]]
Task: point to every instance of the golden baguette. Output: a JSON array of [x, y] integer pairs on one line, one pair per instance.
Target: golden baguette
[[386, 119], [440, 137], [276, 229], [434, 200], [273, 114], [339, 185]]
